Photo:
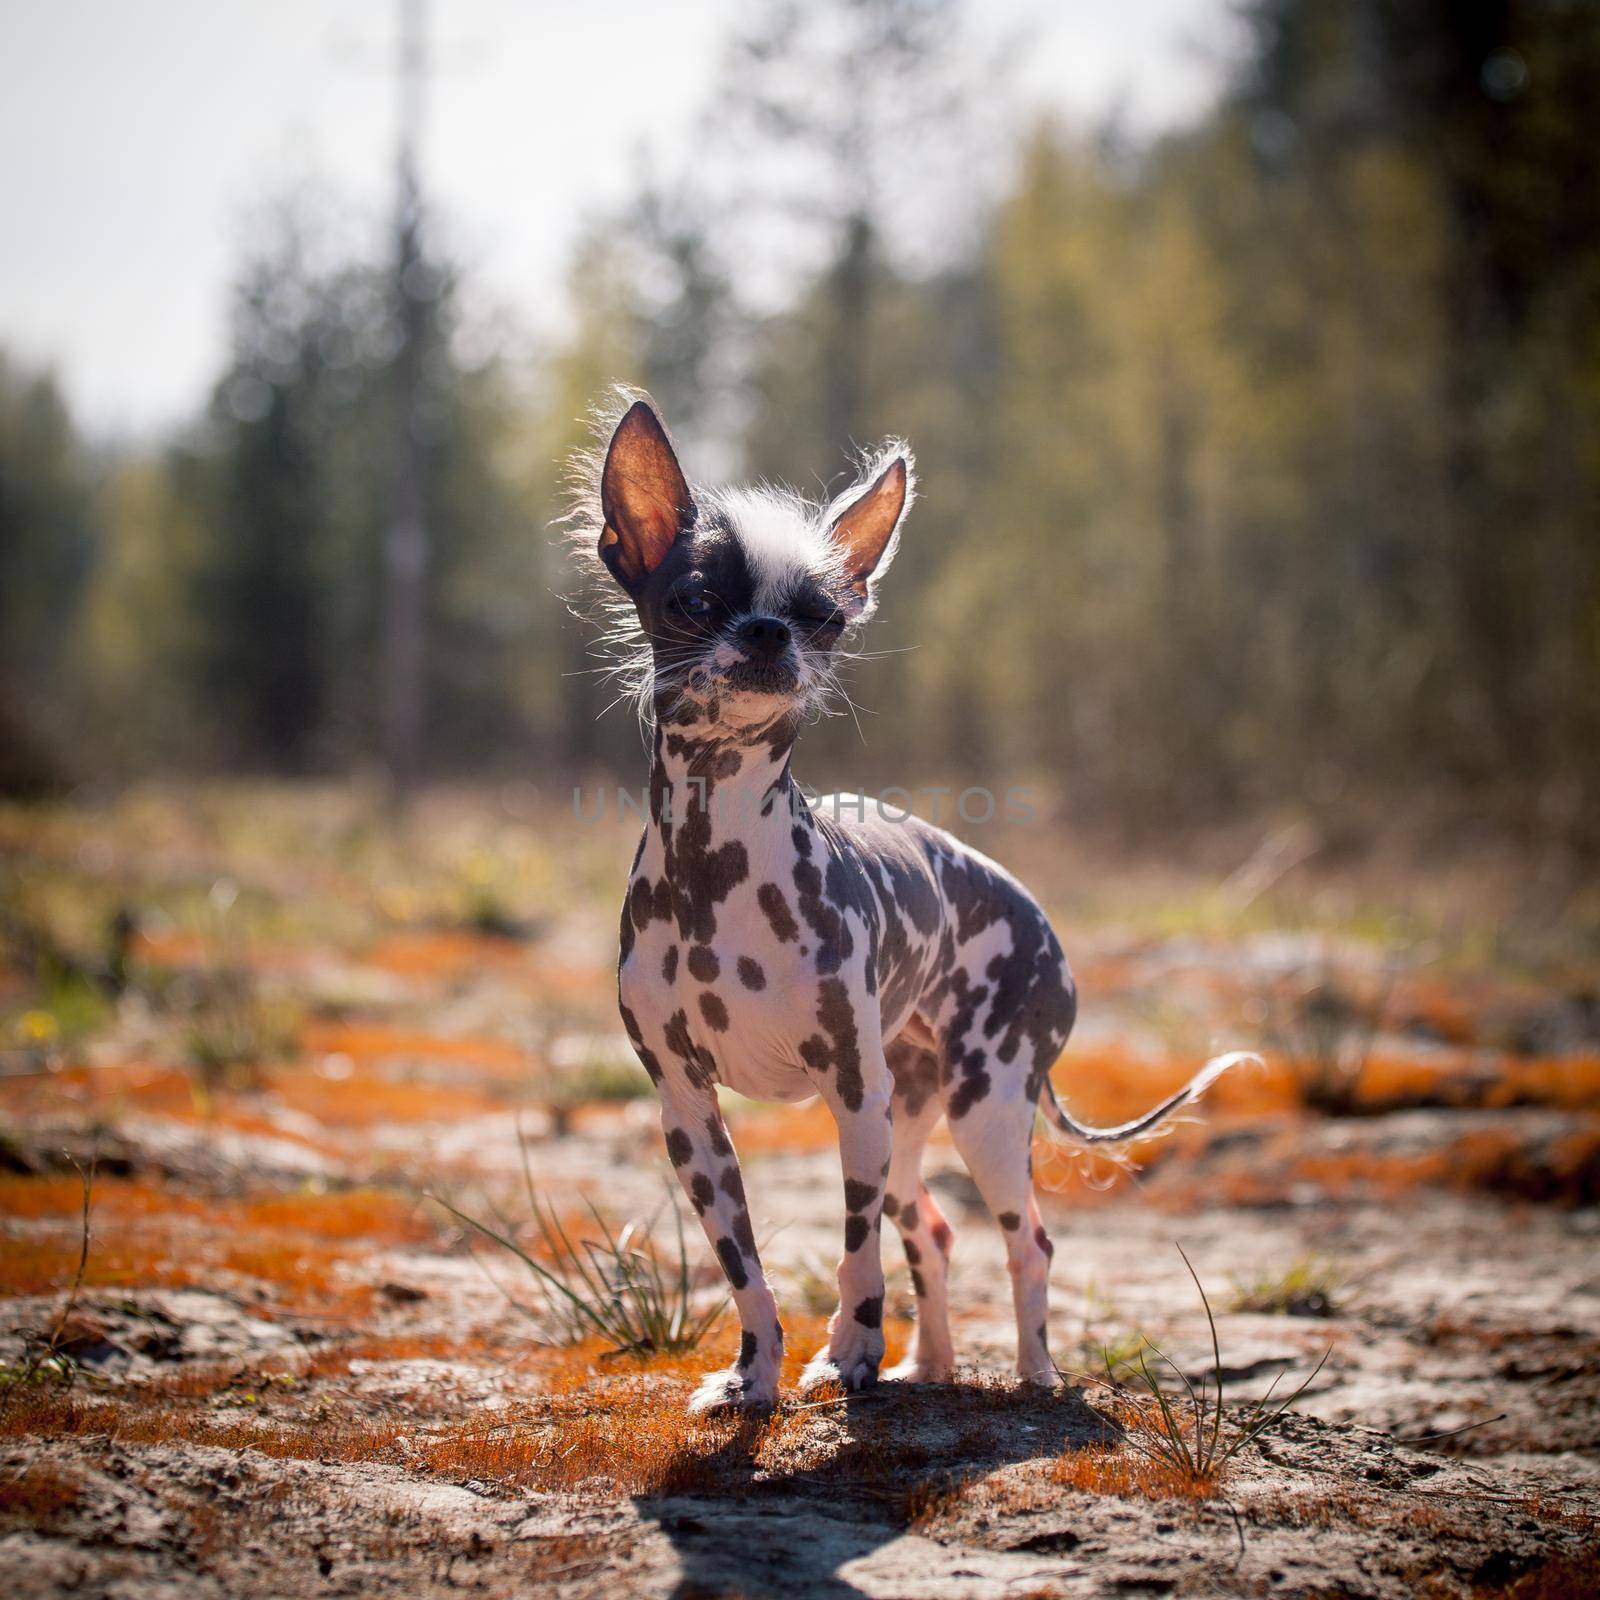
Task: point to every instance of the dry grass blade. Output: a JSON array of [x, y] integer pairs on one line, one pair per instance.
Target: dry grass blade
[[620, 1285], [51, 1354], [1194, 1442]]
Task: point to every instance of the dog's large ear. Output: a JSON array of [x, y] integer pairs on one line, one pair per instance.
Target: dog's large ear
[[643, 496], [867, 524]]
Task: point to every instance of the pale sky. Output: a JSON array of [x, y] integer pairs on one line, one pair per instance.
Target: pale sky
[[134, 134]]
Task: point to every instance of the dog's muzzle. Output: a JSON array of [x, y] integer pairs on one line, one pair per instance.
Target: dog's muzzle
[[768, 666]]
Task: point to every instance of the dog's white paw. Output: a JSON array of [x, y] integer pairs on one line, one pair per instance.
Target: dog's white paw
[[852, 1366], [913, 1371], [733, 1389], [1042, 1378]]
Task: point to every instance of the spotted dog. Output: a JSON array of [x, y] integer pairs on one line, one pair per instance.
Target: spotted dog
[[786, 951]]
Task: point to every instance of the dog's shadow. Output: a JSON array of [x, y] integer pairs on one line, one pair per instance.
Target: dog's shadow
[[784, 1510]]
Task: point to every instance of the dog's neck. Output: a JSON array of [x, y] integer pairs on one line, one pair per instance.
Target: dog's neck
[[737, 778]]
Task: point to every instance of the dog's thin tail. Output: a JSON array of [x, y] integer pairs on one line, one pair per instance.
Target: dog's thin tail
[[1190, 1092]]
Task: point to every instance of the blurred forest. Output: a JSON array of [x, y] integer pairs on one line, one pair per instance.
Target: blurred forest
[[1260, 463]]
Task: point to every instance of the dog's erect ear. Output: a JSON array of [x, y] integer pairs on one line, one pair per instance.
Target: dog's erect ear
[[865, 528], [643, 496]]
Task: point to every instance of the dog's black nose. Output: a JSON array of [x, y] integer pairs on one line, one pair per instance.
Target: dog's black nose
[[764, 636]]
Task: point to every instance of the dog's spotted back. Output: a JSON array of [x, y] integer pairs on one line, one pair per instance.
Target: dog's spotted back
[[787, 952]]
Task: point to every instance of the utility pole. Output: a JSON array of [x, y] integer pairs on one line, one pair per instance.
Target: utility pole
[[406, 542]]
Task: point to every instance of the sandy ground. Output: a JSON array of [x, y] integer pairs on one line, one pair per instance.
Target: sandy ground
[[1451, 1311], [288, 1375]]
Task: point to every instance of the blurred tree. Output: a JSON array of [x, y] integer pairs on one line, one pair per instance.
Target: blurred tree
[[137, 641], [1489, 111], [836, 111], [290, 474], [46, 483]]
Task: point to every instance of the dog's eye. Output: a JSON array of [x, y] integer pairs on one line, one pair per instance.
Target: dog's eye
[[692, 605], [816, 621]]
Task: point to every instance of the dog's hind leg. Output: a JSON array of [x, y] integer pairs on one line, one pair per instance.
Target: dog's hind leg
[[995, 1140], [924, 1233]]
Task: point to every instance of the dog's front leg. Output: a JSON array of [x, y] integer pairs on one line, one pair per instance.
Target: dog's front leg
[[854, 1350], [702, 1155]]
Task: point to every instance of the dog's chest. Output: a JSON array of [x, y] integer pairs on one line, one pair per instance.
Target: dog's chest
[[723, 957]]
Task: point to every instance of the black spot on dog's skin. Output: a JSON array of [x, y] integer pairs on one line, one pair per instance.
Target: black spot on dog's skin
[[891, 1206], [834, 941], [1009, 1220], [972, 1088], [916, 1075], [647, 1056], [699, 1065], [748, 1346], [858, 1196], [855, 1232], [647, 904], [731, 1184], [913, 1254], [751, 975], [680, 1148], [840, 1052], [1042, 1239], [703, 964], [744, 1235], [719, 1136], [701, 1193], [1043, 1329], [669, 964], [869, 1313], [1035, 1001], [714, 1011], [732, 1263], [775, 908], [918, 1287]]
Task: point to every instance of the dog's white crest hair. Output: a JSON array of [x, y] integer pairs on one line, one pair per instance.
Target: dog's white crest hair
[[783, 540], [786, 538]]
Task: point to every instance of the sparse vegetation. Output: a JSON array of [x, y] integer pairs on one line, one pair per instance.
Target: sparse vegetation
[[1323, 1020], [51, 1356], [1305, 1288], [1187, 1435], [620, 1284]]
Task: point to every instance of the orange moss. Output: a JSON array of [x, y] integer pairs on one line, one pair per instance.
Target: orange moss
[[789, 1131], [140, 1085], [1127, 1475], [369, 1215], [39, 1495], [364, 1101], [444, 952], [143, 1235], [367, 1041], [1571, 1083], [631, 1440]]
